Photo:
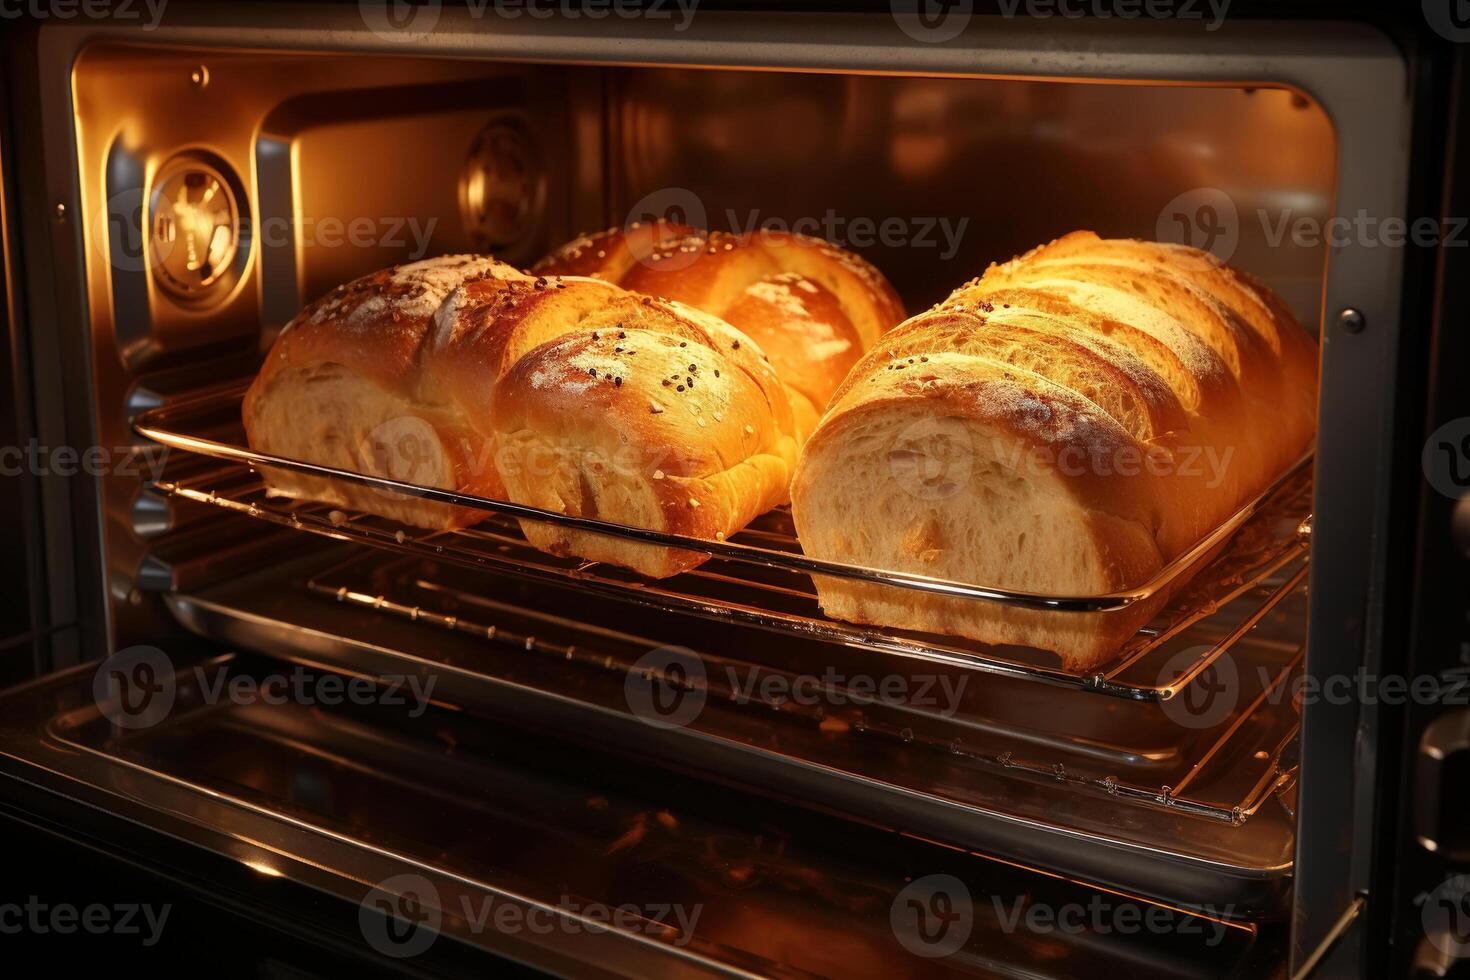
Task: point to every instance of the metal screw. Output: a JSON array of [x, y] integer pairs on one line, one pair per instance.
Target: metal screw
[[1351, 321], [61, 212], [199, 77]]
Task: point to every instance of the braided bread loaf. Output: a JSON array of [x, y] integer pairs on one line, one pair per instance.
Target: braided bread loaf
[[812, 307], [569, 394], [1065, 425]]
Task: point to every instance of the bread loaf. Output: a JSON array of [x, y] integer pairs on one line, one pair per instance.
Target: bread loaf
[[1066, 425], [812, 307], [569, 394]]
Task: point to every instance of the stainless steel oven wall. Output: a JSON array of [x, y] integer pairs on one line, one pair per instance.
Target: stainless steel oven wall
[[933, 179], [312, 169], [1355, 75]]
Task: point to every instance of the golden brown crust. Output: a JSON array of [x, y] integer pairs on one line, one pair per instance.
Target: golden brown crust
[[812, 307], [1067, 424], [566, 393]]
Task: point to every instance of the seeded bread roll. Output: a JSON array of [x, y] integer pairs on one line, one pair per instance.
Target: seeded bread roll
[[1066, 425], [812, 307], [565, 393]]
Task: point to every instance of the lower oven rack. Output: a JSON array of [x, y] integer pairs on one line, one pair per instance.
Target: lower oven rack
[[1212, 827], [1227, 773]]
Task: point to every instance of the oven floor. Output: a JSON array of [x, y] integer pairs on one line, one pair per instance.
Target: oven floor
[[741, 884]]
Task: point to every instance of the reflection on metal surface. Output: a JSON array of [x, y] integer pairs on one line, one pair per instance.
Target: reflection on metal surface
[[932, 179], [193, 226]]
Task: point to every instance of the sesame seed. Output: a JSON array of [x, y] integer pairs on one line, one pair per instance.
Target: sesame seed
[[655, 408], [679, 388], [693, 502], [717, 372], [694, 369], [658, 474], [750, 430], [719, 535]]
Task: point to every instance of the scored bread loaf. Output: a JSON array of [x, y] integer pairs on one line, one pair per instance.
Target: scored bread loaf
[[812, 307], [565, 393], [1065, 425]]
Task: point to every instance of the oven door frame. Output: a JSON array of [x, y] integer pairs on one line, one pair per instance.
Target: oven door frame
[[1356, 73]]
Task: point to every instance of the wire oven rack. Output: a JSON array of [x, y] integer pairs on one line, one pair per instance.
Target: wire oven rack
[[1222, 766], [759, 577]]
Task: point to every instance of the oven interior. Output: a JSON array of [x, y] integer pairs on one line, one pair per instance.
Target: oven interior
[[326, 166]]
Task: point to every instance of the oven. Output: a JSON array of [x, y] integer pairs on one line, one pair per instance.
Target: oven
[[330, 741]]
